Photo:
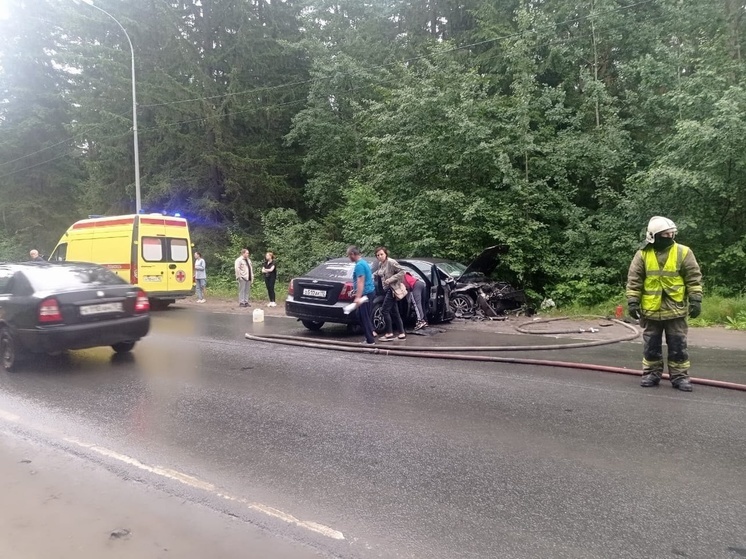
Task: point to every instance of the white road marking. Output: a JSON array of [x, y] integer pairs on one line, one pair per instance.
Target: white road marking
[[191, 481], [164, 472], [209, 487]]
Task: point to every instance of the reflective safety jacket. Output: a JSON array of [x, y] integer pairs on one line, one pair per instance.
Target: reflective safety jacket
[[664, 282]]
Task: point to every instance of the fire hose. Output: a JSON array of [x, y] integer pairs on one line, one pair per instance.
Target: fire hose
[[457, 352]]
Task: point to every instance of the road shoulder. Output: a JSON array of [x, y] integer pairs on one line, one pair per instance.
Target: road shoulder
[[715, 337], [62, 506]]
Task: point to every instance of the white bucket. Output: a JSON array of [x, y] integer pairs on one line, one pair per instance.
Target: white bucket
[[258, 315]]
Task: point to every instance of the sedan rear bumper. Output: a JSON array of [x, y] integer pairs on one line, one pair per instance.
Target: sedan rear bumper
[[320, 313], [50, 339], [170, 295]]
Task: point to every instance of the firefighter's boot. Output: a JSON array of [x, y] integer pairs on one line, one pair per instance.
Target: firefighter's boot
[[650, 380], [683, 384]]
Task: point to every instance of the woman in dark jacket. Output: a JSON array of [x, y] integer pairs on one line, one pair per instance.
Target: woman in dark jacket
[[269, 271]]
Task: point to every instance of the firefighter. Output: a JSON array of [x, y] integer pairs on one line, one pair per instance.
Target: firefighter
[[664, 286]]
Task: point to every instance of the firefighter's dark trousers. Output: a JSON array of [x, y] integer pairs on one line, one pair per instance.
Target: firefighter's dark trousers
[[676, 330]]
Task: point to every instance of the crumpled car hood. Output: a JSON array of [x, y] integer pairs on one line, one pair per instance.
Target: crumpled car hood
[[486, 262]]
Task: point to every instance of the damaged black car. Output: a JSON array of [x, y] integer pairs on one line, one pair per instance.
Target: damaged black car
[[474, 294]]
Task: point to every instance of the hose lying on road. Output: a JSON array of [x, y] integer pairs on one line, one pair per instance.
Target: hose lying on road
[[440, 353], [634, 333], [524, 327]]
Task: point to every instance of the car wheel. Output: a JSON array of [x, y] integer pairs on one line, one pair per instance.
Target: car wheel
[[312, 325], [123, 347], [7, 349], [461, 304], [379, 323]]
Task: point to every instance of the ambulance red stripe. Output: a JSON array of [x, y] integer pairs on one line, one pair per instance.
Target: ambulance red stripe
[[103, 223], [157, 221]]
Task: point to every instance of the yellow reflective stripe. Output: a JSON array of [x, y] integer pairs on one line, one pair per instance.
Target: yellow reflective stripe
[[663, 273], [665, 314], [651, 363]]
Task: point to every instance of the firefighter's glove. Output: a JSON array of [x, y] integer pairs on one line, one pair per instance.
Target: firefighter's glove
[[633, 308], [695, 309]]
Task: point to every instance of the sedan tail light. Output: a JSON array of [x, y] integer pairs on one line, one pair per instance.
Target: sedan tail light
[[142, 304], [290, 288], [347, 292], [49, 311]]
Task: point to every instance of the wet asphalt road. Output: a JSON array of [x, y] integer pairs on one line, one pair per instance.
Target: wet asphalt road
[[406, 457]]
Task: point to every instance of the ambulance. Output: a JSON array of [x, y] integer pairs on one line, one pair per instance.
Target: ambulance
[[151, 251]]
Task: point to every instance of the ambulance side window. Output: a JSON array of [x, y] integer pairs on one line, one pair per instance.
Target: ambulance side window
[[59, 254], [179, 250], [152, 249]]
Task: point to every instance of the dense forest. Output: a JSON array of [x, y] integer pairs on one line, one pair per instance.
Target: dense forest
[[435, 127]]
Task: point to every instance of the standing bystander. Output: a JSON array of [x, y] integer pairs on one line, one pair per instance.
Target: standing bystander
[[200, 276], [269, 270], [244, 276]]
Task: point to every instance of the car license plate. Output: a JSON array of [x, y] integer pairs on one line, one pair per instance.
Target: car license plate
[[314, 293], [152, 278], [100, 309]]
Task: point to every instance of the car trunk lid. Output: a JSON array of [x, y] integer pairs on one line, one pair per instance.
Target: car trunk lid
[[324, 292], [87, 305]]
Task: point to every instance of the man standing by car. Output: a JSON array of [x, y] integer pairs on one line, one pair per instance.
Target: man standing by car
[[244, 275], [34, 255], [362, 279], [664, 285]]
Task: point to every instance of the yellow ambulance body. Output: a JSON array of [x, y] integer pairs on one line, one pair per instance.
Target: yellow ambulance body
[[151, 251]]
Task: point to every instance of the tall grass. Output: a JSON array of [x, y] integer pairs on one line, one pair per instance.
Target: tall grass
[[716, 310], [228, 289]]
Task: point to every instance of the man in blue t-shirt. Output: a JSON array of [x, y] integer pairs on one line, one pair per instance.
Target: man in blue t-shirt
[[362, 280]]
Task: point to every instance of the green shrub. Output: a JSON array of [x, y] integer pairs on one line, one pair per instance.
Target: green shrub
[[11, 250], [298, 246], [737, 323], [582, 293]]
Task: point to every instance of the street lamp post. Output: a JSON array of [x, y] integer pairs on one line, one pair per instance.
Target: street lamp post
[[138, 204]]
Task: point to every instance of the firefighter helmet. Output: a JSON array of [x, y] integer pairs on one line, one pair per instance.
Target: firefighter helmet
[[658, 224]]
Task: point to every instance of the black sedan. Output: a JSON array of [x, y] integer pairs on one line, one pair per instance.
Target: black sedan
[[53, 307], [321, 295]]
